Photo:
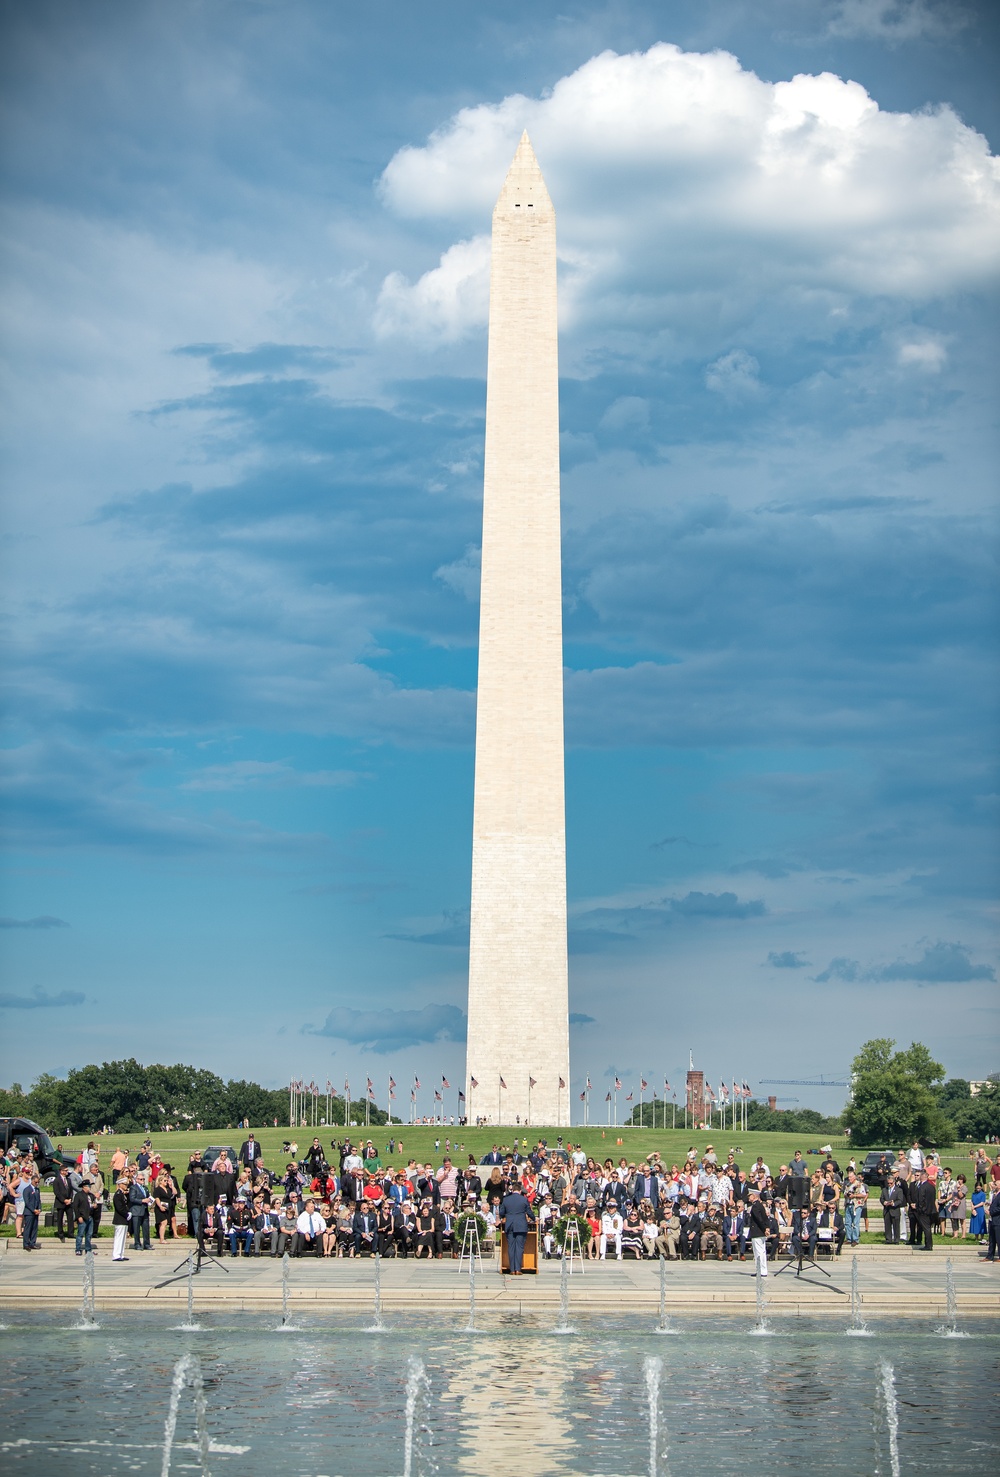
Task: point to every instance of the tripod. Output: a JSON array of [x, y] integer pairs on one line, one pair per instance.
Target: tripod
[[802, 1257], [201, 1254]]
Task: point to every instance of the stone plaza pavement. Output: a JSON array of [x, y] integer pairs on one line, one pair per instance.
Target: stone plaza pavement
[[892, 1282]]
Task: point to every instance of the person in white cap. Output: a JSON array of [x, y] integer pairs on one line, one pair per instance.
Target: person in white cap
[[758, 1232]]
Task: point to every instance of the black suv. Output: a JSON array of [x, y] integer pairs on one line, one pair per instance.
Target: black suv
[[28, 1138], [875, 1170], [212, 1153]]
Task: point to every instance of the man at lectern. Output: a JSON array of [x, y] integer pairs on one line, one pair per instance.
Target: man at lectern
[[516, 1216]]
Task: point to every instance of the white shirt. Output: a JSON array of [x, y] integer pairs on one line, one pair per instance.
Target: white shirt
[[611, 1223], [311, 1223], [915, 1158]]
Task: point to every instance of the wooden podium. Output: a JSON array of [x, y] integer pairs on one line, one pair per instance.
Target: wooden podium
[[529, 1262]]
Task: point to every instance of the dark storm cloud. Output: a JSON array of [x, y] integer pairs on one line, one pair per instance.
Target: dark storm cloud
[[600, 929], [387, 1030], [940, 964]]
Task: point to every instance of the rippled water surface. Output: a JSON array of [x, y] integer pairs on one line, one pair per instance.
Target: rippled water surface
[[324, 1400]]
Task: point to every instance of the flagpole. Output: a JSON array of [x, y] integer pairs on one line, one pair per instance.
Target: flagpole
[[641, 1104], [529, 1102]]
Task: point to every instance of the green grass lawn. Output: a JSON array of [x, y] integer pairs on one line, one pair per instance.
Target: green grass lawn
[[634, 1143]]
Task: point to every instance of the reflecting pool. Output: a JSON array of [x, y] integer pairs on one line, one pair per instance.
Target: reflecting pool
[[326, 1400]]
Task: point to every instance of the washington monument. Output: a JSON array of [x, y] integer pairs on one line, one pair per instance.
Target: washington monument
[[518, 1051]]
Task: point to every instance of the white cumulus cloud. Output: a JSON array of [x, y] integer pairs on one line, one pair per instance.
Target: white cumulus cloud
[[444, 301], [687, 187]]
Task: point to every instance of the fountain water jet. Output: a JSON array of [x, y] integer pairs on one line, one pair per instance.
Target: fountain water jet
[[653, 1370], [891, 1415], [286, 1325], [859, 1328], [664, 1324], [378, 1326], [760, 1326], [187, 1374], [417, 1390], [563, 1324], [950, 1329], [190, 1326], [470, 1327], [88, 1314]]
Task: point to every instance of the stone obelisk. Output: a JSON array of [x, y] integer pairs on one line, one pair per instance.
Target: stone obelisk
[[518, 1052]]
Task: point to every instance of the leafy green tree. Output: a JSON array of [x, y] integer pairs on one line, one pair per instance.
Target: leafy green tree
[[14, 1102], [978, 1118], [893, 1099], [953, 1095]]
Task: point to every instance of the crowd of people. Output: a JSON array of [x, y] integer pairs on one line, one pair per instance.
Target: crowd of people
[[345, 1202]]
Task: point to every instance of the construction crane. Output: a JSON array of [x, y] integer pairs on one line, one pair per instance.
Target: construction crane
[[800, 1082]]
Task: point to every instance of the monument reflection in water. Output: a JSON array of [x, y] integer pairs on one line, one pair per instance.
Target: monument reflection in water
[[330, 1401]]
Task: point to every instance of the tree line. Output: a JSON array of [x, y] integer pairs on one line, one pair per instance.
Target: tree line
[[127, 1096]]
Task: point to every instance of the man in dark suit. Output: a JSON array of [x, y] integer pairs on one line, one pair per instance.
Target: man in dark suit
[[493, 1157], [804, 1232], [647, 1187], [615, 1191], [912, 1188], [250, 1152], [365, 1229], [62, 1186], [893, 1198], [32, 1210], [516, 1216], [925, 1207]]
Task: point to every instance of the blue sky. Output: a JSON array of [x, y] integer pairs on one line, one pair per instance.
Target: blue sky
[[244, 317]]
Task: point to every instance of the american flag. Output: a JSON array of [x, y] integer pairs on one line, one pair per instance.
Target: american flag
[[392, 1083], [629, 1098], [608, 1098], [583, 1097], [654, 1092], [746, 1090], [461, 1096], [589, 1084], [473, 1082], [392, 1093], [371, 1086], [416, 1082], [444, 1081], [618, 1084], [347, 1088], [503, 1084], [708, 1089], [666, 1087], [437, 1096], [562, 1085], [643, 1083], [532, 1083], [724, 1091]]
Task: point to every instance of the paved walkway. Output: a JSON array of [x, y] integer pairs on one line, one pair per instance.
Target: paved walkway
[[896, 1282]]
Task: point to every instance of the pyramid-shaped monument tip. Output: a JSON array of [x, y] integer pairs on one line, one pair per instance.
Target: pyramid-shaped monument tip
[[524, 182]]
